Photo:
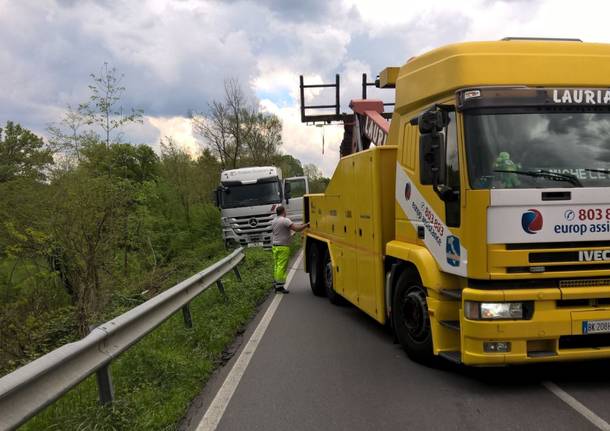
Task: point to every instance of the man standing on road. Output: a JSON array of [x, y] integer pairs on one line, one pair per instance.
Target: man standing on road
[[282, 234]]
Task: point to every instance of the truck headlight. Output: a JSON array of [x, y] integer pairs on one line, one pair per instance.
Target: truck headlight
[[493, 310]]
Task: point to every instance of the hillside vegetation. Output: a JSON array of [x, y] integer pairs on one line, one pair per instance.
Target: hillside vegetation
[[92, 225]]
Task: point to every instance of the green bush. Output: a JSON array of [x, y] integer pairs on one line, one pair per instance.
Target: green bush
[[156, 380]]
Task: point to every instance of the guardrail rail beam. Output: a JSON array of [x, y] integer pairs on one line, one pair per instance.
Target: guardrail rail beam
[[36, 385]]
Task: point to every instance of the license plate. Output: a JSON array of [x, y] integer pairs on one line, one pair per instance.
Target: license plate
[[255, 244], [595, 326]]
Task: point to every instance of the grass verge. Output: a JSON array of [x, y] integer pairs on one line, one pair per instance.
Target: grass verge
[[156, 379]]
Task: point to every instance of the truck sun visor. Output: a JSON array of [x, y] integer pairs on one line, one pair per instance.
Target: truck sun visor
[[506, 97]]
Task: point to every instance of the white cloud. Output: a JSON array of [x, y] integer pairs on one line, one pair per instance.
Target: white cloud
[[179, 129], [305, 142], [175, 54]]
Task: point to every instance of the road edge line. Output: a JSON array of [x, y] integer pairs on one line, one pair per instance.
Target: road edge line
[[577, 405], [217, 407]]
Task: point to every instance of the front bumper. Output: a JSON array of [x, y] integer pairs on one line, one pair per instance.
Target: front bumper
[[554, 333], [230, 236]]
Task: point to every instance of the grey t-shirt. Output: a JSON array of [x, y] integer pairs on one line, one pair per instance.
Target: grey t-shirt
[[281, 230]]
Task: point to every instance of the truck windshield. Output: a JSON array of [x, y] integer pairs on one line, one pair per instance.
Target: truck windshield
[[538, 149], [244, 195]]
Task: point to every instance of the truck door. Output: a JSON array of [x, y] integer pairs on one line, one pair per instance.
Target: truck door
[[296, 187]]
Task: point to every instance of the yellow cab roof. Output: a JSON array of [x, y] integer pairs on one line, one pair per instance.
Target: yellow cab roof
[[543, 63]]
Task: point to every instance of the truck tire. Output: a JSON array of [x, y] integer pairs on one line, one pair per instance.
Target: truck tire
[[332, 295], [316, 273], [410, 318]]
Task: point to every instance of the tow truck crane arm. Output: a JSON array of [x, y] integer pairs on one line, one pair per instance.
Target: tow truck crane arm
[[368, 124]]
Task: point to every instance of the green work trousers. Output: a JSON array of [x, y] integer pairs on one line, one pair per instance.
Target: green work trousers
[[281, 254]]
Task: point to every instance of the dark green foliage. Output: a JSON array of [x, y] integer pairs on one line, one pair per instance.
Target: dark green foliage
[[106, 227], [290, 166], [156, 379], [317, 182], [97, 239], [137, 163], [318, 185], [22, 154], [83, 246]]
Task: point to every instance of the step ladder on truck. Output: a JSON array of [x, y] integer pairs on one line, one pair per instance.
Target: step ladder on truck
[[475, 223]]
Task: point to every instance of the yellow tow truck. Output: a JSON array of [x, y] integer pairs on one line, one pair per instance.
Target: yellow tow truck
[[475, 223]]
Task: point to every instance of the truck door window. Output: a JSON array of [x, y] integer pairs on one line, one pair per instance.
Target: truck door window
[[452, 207], [297, 188], [409, 146], [453, 170]]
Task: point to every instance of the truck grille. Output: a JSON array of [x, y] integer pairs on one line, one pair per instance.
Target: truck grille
[[562, 257], [554, 245], [254, 224], [584, 341], [589, 282]]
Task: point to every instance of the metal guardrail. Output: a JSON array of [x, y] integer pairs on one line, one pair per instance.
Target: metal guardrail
[[31, 388]]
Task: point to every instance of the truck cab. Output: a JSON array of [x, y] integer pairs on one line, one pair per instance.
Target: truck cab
[[478, 227], [248, 197]]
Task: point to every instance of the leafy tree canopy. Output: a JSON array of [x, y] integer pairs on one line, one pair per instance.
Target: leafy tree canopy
[[22, 154]]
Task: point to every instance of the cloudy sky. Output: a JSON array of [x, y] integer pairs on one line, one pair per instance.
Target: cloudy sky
[[175, 54]]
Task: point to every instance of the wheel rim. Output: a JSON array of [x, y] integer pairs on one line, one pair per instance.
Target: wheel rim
[[314, 266], [414, 314], [328, 275]]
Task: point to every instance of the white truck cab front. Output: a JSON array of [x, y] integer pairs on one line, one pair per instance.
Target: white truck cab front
[[248, 198]]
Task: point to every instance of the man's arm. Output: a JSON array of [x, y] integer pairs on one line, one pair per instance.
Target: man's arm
[[299, 227]]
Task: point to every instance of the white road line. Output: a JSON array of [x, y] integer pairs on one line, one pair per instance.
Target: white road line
[[577, 405], [221, 400]]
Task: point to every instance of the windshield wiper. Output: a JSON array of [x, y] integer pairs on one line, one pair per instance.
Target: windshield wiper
[[541, 173]]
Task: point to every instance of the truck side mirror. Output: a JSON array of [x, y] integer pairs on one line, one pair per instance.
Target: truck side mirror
[[432, 169], [287, 191], [432, 153], [217, 193]]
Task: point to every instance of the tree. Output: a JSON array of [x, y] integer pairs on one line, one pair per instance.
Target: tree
[[290, 166], [22, 154], [227, 127], [311, 171], [67, 137], [177, 168], [317, 181], [264, 140], [241, 114], [136, 163], [215, 130], [207, 175], [103, 108], [85, 230]]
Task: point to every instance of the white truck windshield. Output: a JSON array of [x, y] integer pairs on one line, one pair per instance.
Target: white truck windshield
[[241, 195], [537, 149]]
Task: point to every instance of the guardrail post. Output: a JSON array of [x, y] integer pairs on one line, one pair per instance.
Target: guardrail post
[[237, 274], [221, 288], [186, 313], [104, 384]]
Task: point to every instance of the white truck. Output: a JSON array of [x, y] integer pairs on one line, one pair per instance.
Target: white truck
[[247, 199]]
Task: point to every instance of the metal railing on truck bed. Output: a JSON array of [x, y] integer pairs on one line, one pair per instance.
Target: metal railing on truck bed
[[31, 388]]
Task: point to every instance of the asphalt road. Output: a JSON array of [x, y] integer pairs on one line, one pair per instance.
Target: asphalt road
[[323, 367]]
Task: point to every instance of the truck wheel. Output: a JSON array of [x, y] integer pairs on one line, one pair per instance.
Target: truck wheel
[[316, 277], [333, 296], [410, 318]]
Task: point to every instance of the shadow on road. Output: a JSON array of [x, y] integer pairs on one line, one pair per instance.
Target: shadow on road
[[594, 372]]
